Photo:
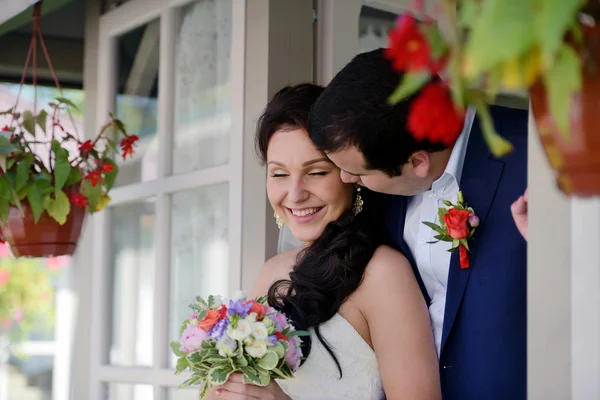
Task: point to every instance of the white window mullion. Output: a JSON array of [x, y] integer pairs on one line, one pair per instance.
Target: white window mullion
[[161, 303]]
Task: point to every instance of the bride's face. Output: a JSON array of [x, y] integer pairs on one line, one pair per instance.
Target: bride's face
[[303, 186]]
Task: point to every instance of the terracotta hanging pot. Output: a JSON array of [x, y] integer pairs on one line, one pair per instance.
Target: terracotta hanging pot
[[576, 159], [46, 238]]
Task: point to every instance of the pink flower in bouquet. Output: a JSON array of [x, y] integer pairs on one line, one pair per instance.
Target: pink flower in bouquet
[[4, 277], [192, 338], [293, 353], [279, 321]]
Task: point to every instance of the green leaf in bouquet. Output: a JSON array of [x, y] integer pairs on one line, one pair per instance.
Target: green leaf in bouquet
[[74, 176], [182, 365], [109, 177], [62, 170], [29, 122], [183, 326], [67, 102], [4, 210], [175, 348], [262, 300], [241, 360], [23, 171], [41, 119], [191, 381], [285, 368], [264, 376], [279, 350], [411, 82], [269, 360], [58, 207], [218, 376], [209, 344], [35, 197], [562, 81], [250, 376], [93, 193], [6, 147]]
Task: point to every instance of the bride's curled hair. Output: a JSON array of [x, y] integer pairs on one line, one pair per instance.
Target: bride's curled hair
[[328, 271]]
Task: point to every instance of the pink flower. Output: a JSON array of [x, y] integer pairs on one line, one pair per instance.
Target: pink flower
[[279, 321], [6, 322], [293, 353], [192, 338], [4, 276]]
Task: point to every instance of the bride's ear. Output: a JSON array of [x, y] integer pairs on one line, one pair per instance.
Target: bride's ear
[[420, 163]]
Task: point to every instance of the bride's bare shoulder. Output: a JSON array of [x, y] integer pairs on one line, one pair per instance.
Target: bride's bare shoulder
[[276, 268]]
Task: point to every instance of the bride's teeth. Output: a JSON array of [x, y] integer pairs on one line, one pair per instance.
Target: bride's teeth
[[305, 212]]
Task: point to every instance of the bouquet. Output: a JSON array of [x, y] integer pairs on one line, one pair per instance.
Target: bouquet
[[223, 336]]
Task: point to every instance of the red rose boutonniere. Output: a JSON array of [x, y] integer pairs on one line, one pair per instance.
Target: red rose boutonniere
[[458, 224]]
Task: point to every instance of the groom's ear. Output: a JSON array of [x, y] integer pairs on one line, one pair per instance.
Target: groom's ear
[[420, 163]]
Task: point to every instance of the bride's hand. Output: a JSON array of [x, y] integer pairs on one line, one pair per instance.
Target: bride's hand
[[234, 389], [520, 214]]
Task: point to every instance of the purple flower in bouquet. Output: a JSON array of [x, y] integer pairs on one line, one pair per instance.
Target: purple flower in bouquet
[[192, 338], [293, 353], [238, 307], [272, 340], [217, 331], [279, 321]]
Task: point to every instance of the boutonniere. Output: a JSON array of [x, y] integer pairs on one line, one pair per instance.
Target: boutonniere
[[457, 225]]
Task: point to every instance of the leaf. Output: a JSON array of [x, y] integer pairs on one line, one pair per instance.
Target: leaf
[[62, 170], [9, 111], [497, 144], [4, 210], [43, 184], [41, 119], [67, 102], [264, 376], [5, 188], [435, 227], [6, 147], [241, 360], [58, 207], [103, 202], [29, 122], [93, 194], [411, 82], [441, 213], [175, 349], [250, 376], [562, 81], [58, 150], [182, 365], [74, 176], [503, 31], [268, 361], [22, 193], [551, 20], [191, 381], [109, 177], [279, 350], [435, 40], [218, 376], [23, 171]]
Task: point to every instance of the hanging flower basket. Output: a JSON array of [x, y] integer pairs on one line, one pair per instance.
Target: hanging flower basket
[[549, 50], [50, 178]]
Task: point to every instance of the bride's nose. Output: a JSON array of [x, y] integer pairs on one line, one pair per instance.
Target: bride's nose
[[297, 192]]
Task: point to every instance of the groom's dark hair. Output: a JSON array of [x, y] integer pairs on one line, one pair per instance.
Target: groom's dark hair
[[354, 111]]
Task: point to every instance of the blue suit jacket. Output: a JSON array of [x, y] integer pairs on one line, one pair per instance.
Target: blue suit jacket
[[484, 340]]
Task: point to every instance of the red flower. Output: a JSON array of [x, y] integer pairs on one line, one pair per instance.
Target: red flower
[[86, 147], [212, 317], [464, 257], [257, 308], [433, 117], [95, 177], [79, 200], [281, 336], [6, 129], [107, 168], [127, 145], [408, 48], [456, 221]]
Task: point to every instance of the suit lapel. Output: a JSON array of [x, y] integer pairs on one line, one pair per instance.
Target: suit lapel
[[479, 181]]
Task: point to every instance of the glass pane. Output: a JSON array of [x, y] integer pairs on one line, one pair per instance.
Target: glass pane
[[200, 248], [182, 394], [202, 86], [122, 391], [373, 28], [132, 283], [27, 377], [137, 100]]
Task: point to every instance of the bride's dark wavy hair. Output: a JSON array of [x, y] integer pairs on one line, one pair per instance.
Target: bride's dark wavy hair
[[328, 271]]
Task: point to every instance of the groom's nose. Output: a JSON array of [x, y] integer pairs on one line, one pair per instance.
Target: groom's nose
[[347, 178]]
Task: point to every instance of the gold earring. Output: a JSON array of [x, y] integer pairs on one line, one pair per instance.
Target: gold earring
[[358, 202], [278, 220]]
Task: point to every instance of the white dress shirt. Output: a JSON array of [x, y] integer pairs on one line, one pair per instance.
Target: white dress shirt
[[433, 260]]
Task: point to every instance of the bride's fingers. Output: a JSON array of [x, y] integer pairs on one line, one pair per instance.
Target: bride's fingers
[[239, 389]]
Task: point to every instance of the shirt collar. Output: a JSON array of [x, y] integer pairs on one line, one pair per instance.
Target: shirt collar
[[457, 156]]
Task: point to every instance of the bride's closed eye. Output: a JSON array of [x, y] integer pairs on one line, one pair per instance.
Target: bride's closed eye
[[320, 173]]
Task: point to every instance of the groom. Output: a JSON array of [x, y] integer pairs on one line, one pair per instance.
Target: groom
[[478, 314]]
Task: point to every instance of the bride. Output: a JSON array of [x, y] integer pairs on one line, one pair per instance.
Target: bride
[[370, 331]]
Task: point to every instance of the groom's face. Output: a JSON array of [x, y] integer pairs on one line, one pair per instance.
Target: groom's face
[[411, 181]]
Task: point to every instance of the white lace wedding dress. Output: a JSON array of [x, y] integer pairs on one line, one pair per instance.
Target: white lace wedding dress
[[318, 378]]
